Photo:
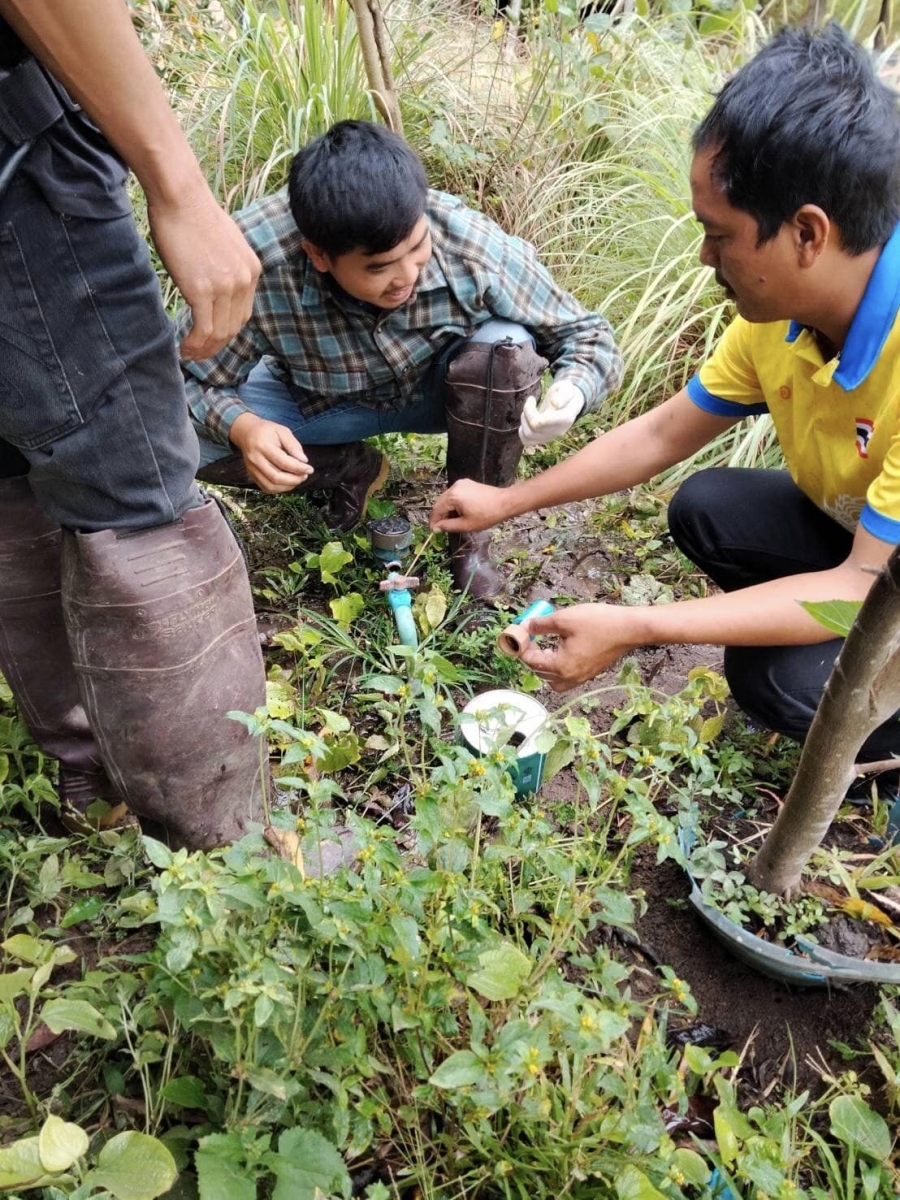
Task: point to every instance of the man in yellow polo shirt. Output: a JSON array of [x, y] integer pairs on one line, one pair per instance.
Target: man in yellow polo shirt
[[796, 183]]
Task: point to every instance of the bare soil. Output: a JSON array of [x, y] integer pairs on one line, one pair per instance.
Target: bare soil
[[785, 1033]]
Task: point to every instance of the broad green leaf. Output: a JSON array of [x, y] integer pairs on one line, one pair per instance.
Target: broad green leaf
[[632, 1184], [724, 1126], [78, 1015], [20, 1164], [689, 1164], [4, 767], [377, 742], [222, 1179], [7, 1026], [710, 729], [334, 722], [332, 558], [60, 1144], [82, 910], [134, 1166], [339, 752], [435, 607], [186, 1091], [281, 699], [389, 684], [615, 907], [714, 23], [307, 1166], [345, 609], [15, 983], [856, 1124], [408, 947], [48, 877], [503, 971], [559, 756], [29, 949], [459, 1070], [836, 615], [159, 854], [273, 1084]]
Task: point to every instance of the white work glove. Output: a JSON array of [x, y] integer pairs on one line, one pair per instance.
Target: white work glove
[[556, 413]]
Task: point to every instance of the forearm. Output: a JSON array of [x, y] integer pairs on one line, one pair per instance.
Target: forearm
[[768, 614], [92, 48], [619, 459]]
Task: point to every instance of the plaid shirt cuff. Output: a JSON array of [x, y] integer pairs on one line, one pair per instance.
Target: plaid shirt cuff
[[214, 410], [589, 383], [221, 415]]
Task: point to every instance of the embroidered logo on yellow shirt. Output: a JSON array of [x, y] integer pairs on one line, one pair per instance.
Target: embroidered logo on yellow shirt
[[864, 430]]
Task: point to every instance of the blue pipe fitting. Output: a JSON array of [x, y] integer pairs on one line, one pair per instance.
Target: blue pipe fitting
[[401, 606]]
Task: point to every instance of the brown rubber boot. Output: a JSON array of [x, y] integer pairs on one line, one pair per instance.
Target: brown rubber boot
[[349, 474], [485, 391], [164, 644], [35, 657]]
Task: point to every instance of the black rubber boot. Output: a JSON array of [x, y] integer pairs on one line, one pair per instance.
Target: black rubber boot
[[164, 645], [485, 391], [348, 474], [35, 657]]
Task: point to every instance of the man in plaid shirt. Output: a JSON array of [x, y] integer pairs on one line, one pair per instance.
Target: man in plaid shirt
[[385, 307]]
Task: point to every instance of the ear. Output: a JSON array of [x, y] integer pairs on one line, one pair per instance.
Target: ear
[[319, 259], [813, 231]]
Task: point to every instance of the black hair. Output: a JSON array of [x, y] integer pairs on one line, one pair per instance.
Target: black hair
[[807, 121], [357, 187]]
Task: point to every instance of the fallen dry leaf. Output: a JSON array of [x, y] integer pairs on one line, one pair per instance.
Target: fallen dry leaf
[[41, 1037], [862, 910], [884, 954], [286, 844]]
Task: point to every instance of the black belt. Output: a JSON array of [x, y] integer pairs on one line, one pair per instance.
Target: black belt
[[30, 102]]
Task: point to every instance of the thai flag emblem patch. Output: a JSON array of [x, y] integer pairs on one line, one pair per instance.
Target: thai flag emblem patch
[[864, 430]]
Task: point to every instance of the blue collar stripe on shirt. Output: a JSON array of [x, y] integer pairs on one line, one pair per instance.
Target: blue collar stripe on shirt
[[873, 320]]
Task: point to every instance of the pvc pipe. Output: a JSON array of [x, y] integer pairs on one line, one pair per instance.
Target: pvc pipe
[[513, 640], [401, 606], [406, 627]]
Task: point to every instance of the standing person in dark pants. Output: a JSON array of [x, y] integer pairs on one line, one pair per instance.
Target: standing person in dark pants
[[126, 623], [796, 183]]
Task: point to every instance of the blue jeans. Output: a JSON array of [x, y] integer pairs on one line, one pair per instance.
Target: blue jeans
[[348, 421], [92, 403]]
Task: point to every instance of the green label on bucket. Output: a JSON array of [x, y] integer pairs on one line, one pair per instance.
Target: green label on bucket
[[506, 717]]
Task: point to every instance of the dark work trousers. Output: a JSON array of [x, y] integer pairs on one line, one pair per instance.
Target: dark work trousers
[[92, 403], [742, 527]]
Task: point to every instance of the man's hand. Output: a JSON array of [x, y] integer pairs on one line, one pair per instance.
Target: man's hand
[[468, 506], [591, 638], [553, 416], [211, 265], [274, 458]]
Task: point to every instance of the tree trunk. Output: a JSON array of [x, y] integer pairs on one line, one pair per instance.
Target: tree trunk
[[374, 43], [863, 691]]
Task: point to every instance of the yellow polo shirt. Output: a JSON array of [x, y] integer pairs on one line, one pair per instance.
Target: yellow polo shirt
[[838, 422]]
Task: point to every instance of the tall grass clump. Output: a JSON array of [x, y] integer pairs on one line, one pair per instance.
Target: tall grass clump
[[256, 80], [617, 228]]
